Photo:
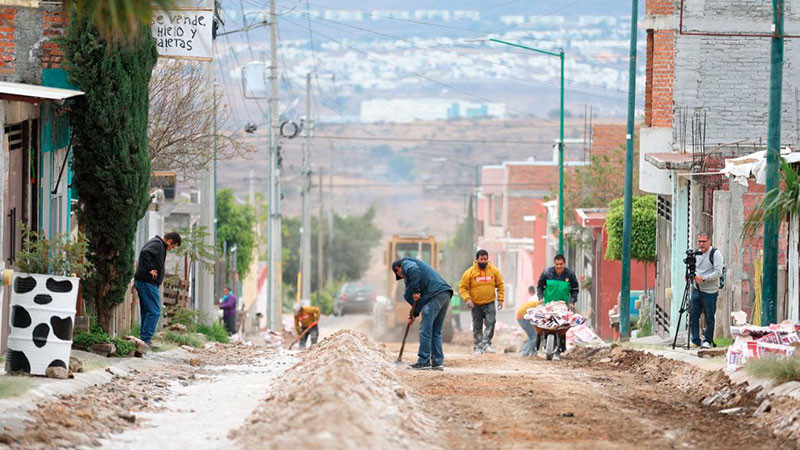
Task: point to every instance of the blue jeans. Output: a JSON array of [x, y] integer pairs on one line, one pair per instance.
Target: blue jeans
[[149, 309], [703, 302], [529, 347], [430, 330]]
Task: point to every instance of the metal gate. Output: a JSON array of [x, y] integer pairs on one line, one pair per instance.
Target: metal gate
[[663, 271]]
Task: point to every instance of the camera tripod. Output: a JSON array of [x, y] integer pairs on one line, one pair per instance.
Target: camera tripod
[[686, 307]]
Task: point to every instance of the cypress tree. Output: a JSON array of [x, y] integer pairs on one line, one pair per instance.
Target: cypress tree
[[110, 158]]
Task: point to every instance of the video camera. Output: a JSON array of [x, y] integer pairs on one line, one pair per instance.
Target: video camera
[[691, 262]]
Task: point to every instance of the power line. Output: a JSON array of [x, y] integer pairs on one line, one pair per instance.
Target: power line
[[437, 185], [454, 141]]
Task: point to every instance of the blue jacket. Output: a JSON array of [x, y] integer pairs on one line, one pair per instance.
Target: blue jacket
[[421, 279]]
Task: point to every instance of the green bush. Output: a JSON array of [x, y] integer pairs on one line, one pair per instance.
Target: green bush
[[183, 339], [723, 342], [324, 299], [187, 317], [780, 370], [124, 348], [216, 332], [85, 341]]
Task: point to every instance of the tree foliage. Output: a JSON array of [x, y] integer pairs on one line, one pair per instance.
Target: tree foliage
[[349, 250], [235, 225], [194, 247], [117, 21], [643, 229], [111, 166], [598, 183], [181, 122], [459, 251], [777, 204]]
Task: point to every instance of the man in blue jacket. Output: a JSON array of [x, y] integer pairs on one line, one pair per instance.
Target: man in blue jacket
[[429, 295]]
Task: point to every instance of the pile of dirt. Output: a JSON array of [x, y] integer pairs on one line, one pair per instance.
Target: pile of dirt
[[344, 393], [712, 389]]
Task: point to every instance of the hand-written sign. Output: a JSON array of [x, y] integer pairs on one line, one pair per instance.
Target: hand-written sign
[[183, 34]]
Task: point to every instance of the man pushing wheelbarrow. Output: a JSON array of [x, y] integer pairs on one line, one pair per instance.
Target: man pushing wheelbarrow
[[552, 320]]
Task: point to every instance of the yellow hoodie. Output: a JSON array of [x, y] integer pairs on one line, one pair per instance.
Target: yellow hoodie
[[479, 284]]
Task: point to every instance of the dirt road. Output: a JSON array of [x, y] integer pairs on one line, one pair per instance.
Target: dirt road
[[346, 393], [506, 401]]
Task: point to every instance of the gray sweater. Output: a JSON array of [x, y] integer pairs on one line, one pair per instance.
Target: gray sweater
[[710, 272]]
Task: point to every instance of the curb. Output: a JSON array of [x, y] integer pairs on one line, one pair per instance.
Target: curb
[[14, 411], [789, 389]]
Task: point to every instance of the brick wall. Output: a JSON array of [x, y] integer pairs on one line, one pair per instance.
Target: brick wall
[[518, 208], [533, 177], [8, 18], [607, 138], [26, 41], [661, 81], [729, 76], [54, 23], [659, 7]]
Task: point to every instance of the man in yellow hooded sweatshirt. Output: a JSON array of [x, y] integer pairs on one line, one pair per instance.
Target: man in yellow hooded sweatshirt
[[480, 285]]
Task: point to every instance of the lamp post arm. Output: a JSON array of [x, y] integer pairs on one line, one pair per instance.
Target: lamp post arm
[[560, 55]]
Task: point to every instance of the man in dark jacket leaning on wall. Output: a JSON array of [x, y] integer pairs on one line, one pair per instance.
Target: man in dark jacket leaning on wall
[[149, 276]]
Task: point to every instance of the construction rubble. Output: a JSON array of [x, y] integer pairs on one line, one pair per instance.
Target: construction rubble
[[779, 340], [344, 393]]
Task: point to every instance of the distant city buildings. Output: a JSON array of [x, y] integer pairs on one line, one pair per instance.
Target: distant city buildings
[[401, 110]]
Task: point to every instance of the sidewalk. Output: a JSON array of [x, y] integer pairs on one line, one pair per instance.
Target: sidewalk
[[658, 346], [97, 372]]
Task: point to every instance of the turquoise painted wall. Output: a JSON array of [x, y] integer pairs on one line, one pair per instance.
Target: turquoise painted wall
[[55, 135], [680, 243]]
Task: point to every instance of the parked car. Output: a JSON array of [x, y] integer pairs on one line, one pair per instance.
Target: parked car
[[354, 297]]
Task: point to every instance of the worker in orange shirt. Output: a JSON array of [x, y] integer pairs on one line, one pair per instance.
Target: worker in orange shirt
[[306, 317]]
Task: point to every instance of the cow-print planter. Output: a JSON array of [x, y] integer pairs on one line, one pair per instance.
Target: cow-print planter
[[41, 319]]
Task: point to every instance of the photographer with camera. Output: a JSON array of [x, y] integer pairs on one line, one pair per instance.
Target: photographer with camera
[[709, 269]]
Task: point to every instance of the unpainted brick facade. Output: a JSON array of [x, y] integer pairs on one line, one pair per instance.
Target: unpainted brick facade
[[27, 43], [725, 76]]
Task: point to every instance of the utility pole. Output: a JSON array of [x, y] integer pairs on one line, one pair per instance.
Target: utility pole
[[305, 228], [205, 280], [274, 266], [320, 265], [252, 187], [625, 290], [329, 276], [771, 226], [561, 162]]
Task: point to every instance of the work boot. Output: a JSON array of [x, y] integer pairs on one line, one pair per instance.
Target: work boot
[[420, 366]]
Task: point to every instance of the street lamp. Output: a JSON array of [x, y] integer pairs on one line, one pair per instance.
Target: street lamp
[[560, 56]]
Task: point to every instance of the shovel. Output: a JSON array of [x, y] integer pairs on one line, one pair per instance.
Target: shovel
[[303, 334], [405, 336]]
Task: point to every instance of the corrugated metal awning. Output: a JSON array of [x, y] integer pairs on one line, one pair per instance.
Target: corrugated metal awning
[[31, 93]]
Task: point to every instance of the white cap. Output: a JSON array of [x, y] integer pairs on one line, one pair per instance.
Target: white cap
[[297, 307]]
